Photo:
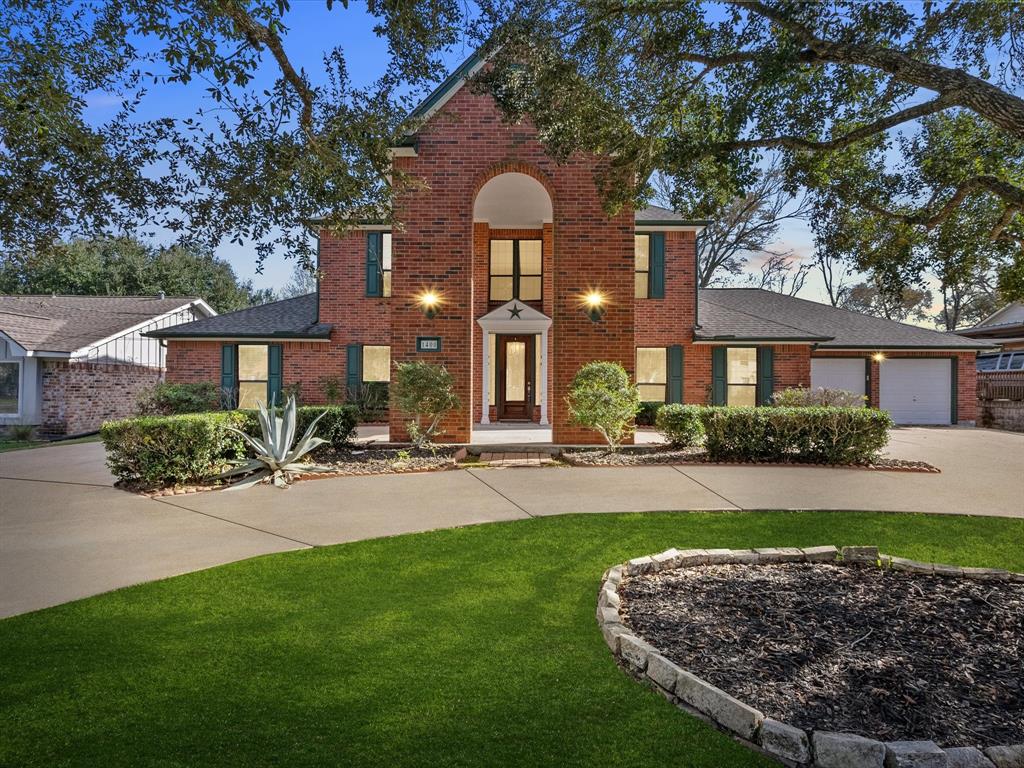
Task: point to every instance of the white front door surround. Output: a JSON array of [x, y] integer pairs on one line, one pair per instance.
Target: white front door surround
[[513, 317]]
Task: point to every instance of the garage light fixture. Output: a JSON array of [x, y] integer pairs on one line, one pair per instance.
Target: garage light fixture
[[878, 357]]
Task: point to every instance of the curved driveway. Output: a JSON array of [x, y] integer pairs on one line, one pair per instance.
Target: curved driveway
[[65, 533]]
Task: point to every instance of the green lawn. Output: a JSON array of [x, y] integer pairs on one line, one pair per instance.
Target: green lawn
[[20, 445], [475, 646]]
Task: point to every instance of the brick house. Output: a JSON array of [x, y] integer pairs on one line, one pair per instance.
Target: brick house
[[69, 363], [490, 274]]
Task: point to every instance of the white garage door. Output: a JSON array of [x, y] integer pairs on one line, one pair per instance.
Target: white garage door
[[916, 391], [835, 373]]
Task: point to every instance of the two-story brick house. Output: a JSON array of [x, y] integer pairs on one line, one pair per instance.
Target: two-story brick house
[[495, 271]]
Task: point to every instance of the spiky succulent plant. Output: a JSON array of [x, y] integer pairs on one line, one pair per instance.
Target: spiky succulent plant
[[277, 454]]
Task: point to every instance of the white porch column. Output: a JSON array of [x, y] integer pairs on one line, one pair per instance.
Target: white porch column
[[544, 377], [485, 390]]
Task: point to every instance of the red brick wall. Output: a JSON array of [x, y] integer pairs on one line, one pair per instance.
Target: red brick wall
[[791, 364], [79, 397], [967, 376], [459, 150], [667, 321]]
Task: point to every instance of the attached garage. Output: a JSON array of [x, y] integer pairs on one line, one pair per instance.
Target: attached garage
[[917, 390], [846, 373]]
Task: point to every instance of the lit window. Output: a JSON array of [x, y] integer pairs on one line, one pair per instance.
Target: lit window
[[641, 265], [651, 373], [385, 265], [252, 375], [741, 375], [516, 270], [376, 364]]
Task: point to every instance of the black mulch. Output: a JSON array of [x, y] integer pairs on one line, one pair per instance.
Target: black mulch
[[890, 655]]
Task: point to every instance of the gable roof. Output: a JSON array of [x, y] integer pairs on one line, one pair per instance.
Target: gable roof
[[1005, 318], [67, 324], [294, 318], [753, 314]]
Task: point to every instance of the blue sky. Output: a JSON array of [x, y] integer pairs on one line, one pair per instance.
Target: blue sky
[[313, 31]]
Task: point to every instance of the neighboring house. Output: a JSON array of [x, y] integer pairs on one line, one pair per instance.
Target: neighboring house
[[1005, 328], [490, 274], [68, 363]]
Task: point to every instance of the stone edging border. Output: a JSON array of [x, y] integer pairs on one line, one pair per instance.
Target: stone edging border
[[929, 470], [785, 743]]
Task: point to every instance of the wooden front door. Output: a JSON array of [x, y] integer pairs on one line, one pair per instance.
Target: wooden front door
[[515, 378]]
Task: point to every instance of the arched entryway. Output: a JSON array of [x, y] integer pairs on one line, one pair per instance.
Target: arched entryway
[[513, 246]]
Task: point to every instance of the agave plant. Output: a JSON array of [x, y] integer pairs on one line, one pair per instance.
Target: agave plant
[[277, 454]]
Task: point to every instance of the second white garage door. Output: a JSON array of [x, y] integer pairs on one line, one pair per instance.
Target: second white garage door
[[838, 373], [916, 391]]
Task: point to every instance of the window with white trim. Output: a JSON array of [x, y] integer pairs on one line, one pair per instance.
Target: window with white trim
[[376, 363], [253, 365], [10, 387], [741, 375], [641, 266]]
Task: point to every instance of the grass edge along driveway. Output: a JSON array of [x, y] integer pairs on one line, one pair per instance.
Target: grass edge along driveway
[[470, 646]]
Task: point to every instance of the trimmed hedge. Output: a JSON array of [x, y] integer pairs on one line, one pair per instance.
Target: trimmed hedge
[[165, 399], [158, 451], [647, 416], [681, 424], [821, 435]]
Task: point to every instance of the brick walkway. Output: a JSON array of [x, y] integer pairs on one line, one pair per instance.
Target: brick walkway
[[526, 459]]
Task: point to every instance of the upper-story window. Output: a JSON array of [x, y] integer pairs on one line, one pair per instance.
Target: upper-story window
[[516, 270], [649, 266], [378, 264]]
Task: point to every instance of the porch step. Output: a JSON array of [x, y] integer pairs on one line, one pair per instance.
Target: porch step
[[515, 458]]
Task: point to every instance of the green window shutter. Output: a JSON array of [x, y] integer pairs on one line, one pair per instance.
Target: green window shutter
[[656, 276], [228, 376], [374, 247], [765, 375], [718, 382], [275, 373], [675, 374], [353, 368]]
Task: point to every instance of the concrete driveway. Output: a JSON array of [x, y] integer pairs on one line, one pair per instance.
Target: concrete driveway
[[66, 533]]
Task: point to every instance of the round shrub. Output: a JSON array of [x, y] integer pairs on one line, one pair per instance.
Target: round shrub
[[602, 398], [681, 425]]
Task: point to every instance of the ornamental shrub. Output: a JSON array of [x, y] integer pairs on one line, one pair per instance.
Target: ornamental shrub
[[158, 451], [426, 392], [797, 397], [647, 416], [167, 399], [172, 450], [817, 435], [681, 425], [602, 398]]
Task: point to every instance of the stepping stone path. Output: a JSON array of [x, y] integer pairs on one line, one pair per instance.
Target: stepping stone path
[[524, 459]]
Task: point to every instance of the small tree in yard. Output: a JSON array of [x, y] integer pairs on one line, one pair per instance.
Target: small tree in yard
[[427, 392], [602, 398]]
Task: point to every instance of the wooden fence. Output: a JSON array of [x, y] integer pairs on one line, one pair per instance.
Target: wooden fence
[[1001, 385]]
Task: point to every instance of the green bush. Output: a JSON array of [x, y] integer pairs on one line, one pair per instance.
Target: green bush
[[817, 435], [189, 448], [371, 401], [172, 450], [681, 425], [647, 416], [426, 392], [602, 398], [800, 397], [167, 399]]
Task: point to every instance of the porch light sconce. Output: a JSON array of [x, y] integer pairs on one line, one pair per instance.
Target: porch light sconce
[[594, 305], [878, 357], [430, 302]]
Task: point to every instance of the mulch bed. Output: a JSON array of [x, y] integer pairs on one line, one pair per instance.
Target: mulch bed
[[355, 461], [889, 655], [642, 457]]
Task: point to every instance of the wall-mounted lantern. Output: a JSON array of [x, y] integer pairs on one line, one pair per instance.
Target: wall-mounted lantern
[[429, 302], [594, 305]]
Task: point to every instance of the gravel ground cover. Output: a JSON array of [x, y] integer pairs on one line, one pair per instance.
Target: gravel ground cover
[[890, 655]]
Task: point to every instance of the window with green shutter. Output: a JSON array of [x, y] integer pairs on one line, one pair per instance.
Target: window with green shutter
[[656, 288], [675, 374], [228, 376], [765, 375]]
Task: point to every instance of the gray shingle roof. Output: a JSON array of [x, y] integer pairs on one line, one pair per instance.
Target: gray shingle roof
[[289, 318], [752, 313], [69, 323]]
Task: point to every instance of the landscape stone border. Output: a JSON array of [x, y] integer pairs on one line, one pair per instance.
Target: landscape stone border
[[785, 743]]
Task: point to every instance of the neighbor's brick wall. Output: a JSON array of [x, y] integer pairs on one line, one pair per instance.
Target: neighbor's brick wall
[[967, 377], [79, 397], [465, 145]]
